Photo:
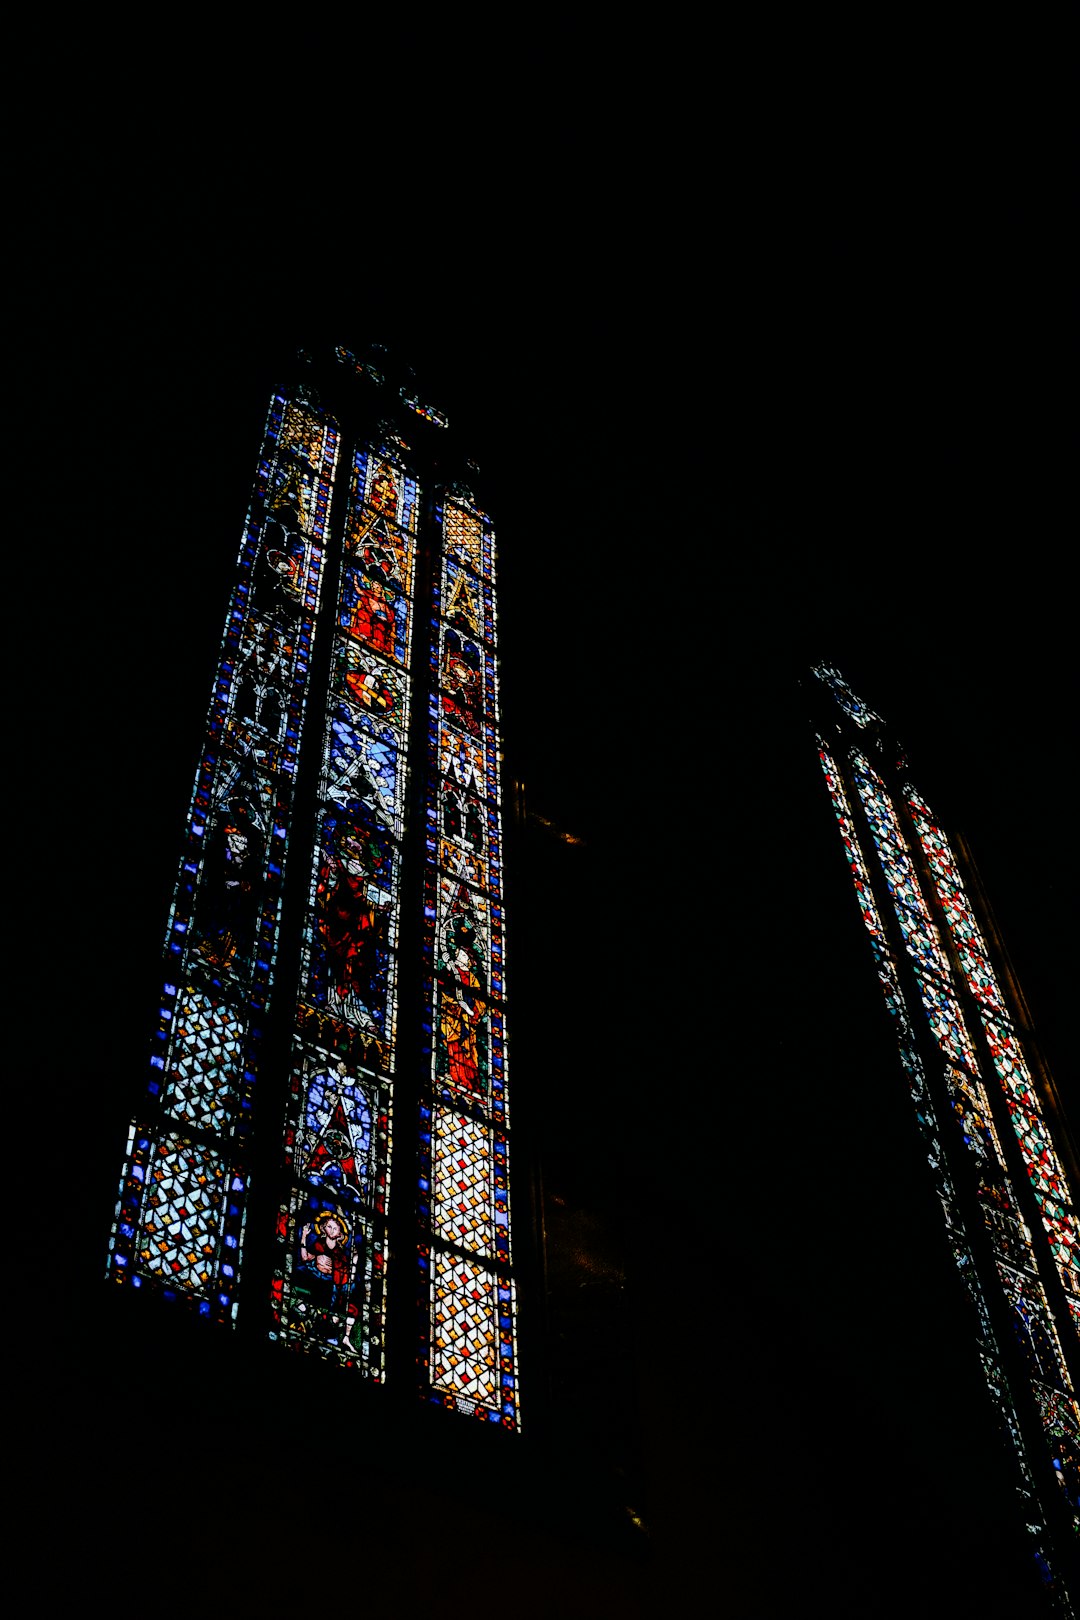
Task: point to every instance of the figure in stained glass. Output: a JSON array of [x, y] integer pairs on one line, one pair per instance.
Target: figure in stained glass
[[462, 1049], [325, 1274], [352, 918], [461, 683], [231, 887], [373, 613]]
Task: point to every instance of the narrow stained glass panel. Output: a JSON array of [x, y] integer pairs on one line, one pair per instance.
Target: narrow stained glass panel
[[327, 1293], [203, 1082], [465, 1342], [328, 1287], [464, 1187], [222, 938], [181, 1230], [920, 934], [469, 1169]]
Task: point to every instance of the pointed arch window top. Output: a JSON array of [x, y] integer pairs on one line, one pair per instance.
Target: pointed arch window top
[[853, 707]]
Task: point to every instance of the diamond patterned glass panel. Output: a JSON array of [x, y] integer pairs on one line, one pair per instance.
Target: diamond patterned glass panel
[[463, 1172], [206, 1063], [465, 1340], [181, 1218]]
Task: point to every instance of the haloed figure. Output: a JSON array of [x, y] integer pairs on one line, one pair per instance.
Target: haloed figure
[[326, 1272], [326, 1256], [373, 614]]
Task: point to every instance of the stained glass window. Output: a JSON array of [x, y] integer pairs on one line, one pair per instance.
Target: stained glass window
[[1044, 1168], [1013, 1271], [342, 862]]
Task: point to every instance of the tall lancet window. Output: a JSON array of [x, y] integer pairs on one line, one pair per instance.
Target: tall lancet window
[[331, 1059], [985, 1120], [468, 1304]]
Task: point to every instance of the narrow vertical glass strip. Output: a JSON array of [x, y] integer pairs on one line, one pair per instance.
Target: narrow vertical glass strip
[[920, 934], [180, 1217], [1044, 1168], [1010, 1237], [469, 1348], [963, 1090], [330, 1266]]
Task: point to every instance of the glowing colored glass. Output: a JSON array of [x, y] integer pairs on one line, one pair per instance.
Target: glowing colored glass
[[327, 1290], [853, 706], [180, 1217], [472, 1354], [329, 1271], [920, 934], [428, 412], [203, 1080], [472, 1332], [1010, 1239], [1043, 1166]]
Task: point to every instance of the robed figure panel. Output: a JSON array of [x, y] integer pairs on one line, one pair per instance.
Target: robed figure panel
[[320, 1293], [350, 939], [461, 677]]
